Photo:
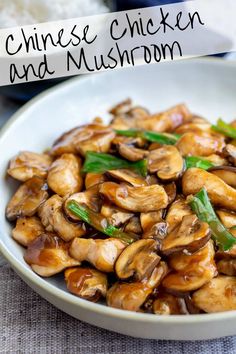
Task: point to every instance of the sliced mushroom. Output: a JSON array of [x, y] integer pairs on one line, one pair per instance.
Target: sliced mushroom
[[27, 229], [134, 226], [90, 198], [227, 266], [29, 164], [64, 176], [228, 218], [91, 137], [128, 176], [171, 191], [27, 199], [166, 121], [48, 255], [115, 215], [168, 304], [200, 144], [138, 260], [131, 153], [190, 235], [135, 199], [157, 232], [190, 272], [230, 153], [131, 296], [166, 162], [226, 173], [86, 283], [176, 212], [216, 296], [102, 254], [92, 179], [149, 219], [54, 220], [220, 193]]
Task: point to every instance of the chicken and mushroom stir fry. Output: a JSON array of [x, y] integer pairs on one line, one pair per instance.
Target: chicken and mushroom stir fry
[[140, 212]]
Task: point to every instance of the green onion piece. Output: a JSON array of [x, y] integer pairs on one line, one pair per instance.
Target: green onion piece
[[99, 222], [201, 205], [194, 161], [225, 129], [161, 138], [100, 163]]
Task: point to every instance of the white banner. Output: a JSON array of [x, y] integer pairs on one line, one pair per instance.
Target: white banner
[[117, 40]]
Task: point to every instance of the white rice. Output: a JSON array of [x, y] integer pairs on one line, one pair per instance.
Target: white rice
[[26, 12]]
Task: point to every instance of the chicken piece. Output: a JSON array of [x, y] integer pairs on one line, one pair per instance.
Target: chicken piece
[[132, 153], [216, 296], [228, 218], [54, 220], [226, 173], [178, 209], [131, 296], [166, 121], [91, 137], [191, 272], [29, 164], [64, 176], [86, 283], [27, 229], [190, 235], [149, 219], [220, 193], [138, 260], [168, 304], [136, 199], [194, 127], [27, 199], [102, 254], [191, 144], [48, 255]]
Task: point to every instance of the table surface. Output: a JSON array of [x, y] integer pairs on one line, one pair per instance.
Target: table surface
[[29, 324]]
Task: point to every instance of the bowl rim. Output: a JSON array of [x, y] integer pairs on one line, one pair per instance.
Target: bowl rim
[[66, 297]]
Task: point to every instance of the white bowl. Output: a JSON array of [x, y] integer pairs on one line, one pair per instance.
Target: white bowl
[[207, 86]]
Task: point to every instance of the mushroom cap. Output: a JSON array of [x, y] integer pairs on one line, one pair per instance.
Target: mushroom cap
[[166, 162], [131, 153], [216, 296], [27, 199], [86, 283], [138, 260], [191, 235]]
